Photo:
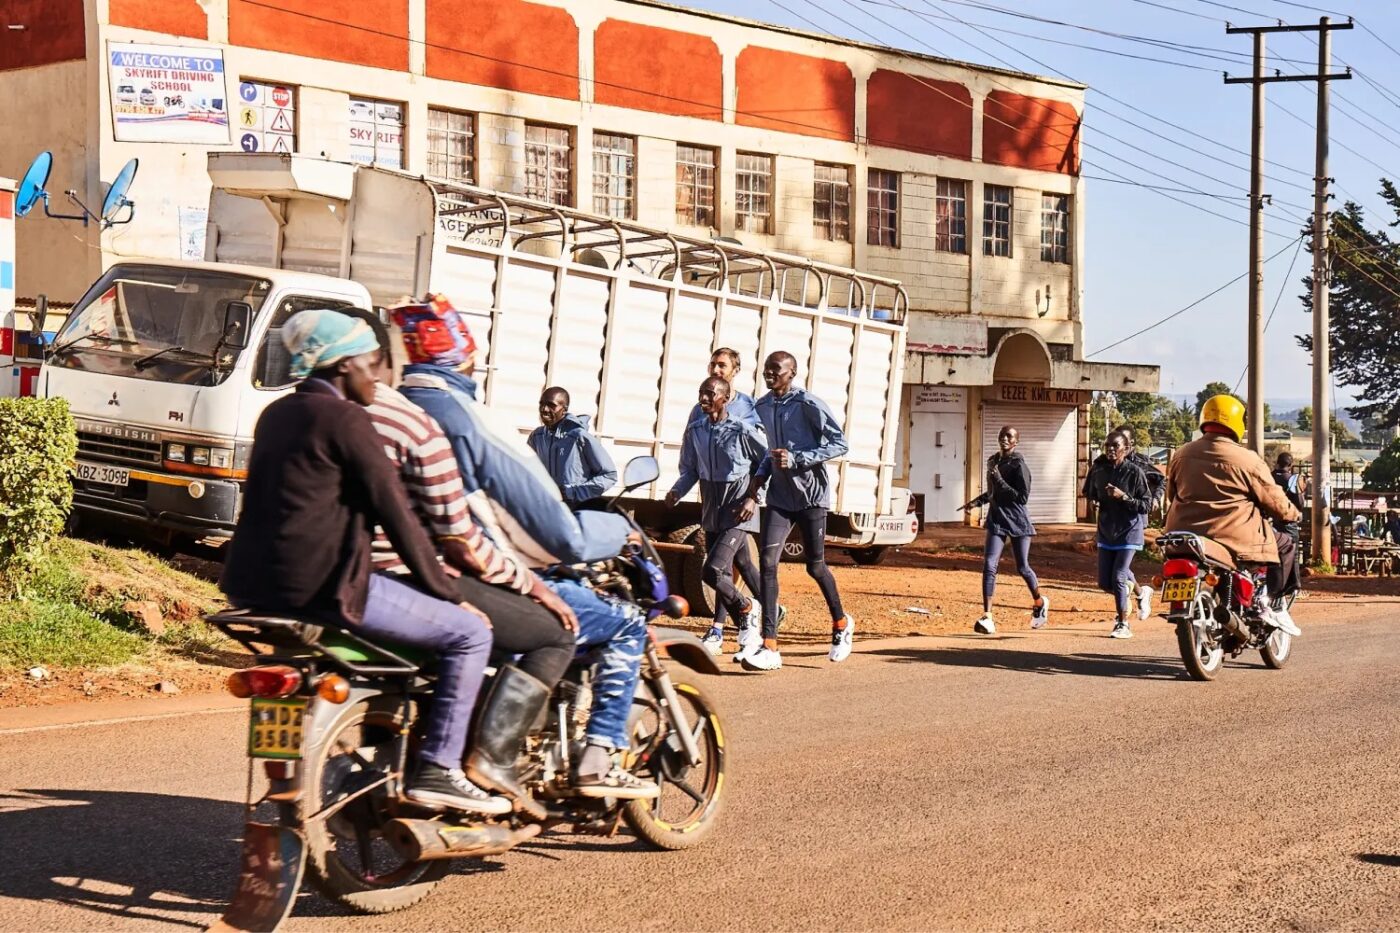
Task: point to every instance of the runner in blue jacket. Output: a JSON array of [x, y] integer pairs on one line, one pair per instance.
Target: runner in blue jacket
[[573, 456]]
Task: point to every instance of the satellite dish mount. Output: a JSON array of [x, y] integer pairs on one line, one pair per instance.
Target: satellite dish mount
[[32, 191]]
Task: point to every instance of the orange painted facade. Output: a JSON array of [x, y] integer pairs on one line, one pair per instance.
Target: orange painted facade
[[1042, 135], [509, 44], [919, 114], [54, 31], [659, 70], [795, 93], [174, 17], [367, 32]]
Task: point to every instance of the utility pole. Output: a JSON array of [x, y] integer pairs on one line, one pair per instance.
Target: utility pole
[[1322, 366]]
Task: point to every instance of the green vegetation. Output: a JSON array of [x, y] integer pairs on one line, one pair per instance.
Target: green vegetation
[[38, 442], [1383, 474], [87, 605]]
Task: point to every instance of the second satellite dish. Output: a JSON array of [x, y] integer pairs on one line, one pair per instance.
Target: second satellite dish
[[116, 195]]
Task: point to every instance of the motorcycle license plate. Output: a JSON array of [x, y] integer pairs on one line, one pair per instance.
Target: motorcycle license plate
[[1179, 591], [274, 728], [102, 473]]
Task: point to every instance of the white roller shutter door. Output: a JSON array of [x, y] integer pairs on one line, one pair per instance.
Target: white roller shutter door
[[1048, 444]]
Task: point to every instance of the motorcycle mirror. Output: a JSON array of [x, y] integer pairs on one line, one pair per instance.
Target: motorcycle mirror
[[639, 472], [31, 187]]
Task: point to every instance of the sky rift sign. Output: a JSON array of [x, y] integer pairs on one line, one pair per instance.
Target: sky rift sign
[[168, 94]]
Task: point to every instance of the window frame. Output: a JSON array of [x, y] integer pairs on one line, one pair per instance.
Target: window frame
[[994, 244], [446, 134], [828, 230], [747, 191], [696, 185], [881, 202], [950, 224], [1054, 237], [550, 194], [629, 176], [375, 102]]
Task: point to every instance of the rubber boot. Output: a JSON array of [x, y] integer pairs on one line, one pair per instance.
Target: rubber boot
[[509, 713]]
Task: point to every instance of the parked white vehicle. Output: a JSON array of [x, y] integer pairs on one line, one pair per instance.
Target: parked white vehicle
[[169, 364]]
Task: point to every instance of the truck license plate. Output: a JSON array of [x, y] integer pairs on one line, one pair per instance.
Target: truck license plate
[[274, 728], [891, 524], [1179, 591], [103, 473]]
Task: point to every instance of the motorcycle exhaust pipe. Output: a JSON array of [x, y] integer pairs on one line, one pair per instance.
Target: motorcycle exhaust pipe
[[1230, 622], [421, 840]]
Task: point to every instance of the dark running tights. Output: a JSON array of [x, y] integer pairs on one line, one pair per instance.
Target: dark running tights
[[1116, 577], [777, 524], [719, 572], [743, 562], [1021, 547]]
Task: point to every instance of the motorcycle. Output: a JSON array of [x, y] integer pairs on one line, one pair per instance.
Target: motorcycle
[[335, 719], [1217, 608]]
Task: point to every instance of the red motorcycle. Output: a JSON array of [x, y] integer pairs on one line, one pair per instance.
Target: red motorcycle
[[1217, 607]]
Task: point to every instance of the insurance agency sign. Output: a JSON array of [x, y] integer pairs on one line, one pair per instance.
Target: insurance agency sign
[[167, 94]]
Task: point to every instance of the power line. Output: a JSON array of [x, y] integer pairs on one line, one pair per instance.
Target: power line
[[1281, 289]]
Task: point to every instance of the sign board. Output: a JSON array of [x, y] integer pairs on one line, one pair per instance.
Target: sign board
[[947, 334], [939, 398], [167, 94], [266, 120], [457, 228], [376, 132], [1032, 394]]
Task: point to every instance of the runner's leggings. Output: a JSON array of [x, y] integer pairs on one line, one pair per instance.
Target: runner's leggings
[[1021, 547], [777, 525], [743, 562], [719, 572], [1116, 576]]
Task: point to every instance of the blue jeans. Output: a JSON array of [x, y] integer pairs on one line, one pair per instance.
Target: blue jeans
[[398, 613], [1021, 548], [622, 631], [1116, 577]]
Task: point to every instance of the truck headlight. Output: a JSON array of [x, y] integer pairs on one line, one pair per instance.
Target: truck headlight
[[199, 456], [221, 457], [175, 452]]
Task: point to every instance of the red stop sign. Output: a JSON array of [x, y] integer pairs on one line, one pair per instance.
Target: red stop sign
[[281, 96]]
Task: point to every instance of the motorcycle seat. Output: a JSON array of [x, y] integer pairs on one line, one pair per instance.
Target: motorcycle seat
[[1211, 551]]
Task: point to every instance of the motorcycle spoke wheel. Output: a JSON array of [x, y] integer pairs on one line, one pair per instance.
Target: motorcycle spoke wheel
[[689, 803]]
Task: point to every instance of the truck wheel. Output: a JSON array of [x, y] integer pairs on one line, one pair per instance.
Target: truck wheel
[[868, 556], [692, 584]]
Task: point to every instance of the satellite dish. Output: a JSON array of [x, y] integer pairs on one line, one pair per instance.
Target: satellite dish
[[31, 187], [116, 194]]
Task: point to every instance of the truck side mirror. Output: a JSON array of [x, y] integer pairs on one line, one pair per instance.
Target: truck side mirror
[[36, 321], [238, 318]]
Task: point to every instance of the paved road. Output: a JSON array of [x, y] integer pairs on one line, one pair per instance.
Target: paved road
[[1056, 779]]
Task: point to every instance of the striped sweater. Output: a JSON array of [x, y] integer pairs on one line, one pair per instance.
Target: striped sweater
[[416, 445]]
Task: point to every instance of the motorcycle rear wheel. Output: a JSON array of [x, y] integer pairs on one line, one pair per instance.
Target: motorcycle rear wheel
[[349, 860], [1278, 648], [1202, 656], [691, 796]]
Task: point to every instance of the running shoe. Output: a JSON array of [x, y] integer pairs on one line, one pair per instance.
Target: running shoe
[[1041, 614], [714, 641], [985, 625], [1121, 630], [1144, 601], [841, 640], [764, 659]]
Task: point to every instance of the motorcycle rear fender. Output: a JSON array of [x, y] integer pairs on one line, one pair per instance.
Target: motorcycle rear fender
[[269, 877], [684, 648]]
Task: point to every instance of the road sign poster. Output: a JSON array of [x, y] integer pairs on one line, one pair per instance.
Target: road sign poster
[[266, 120], [167, 94]]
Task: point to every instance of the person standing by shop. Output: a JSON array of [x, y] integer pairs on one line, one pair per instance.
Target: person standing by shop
[[1009, 483], [1123, 495], [1288, 581]]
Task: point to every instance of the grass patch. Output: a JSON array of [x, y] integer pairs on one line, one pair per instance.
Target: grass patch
[[85, 604]]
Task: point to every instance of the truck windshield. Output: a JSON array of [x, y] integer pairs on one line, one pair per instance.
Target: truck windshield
[[162, 323]]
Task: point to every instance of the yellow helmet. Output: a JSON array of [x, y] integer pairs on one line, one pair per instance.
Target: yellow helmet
[[1226, 411]]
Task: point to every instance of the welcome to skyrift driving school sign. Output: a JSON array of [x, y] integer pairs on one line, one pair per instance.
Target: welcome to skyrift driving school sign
[[167, 94]]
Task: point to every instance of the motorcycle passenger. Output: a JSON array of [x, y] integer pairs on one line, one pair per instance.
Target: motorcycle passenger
[[317, 483], [1009, 482], [1120, 489], [1223, 490], [725, 456], [520, 507], [574, 457]]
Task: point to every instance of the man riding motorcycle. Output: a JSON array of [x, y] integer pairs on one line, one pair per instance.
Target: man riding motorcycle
[[1223, 491]]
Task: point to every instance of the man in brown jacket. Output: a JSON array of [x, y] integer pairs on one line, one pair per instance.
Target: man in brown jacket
[[1223, 490]]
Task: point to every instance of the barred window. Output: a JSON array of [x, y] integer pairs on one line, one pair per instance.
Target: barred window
[[996, 220], [450, 150], [882, 208], [695, 186], [549, 163], [1054, 227], [831, 203], [753, 193], [950, 216], [615, 175]]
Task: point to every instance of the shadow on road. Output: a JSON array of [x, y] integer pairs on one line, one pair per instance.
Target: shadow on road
[[151, 857], [1039, 662], [1379, 858]]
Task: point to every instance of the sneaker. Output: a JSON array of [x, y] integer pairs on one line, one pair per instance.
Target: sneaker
[[985, 626], [841, 640], [751, 628], [1121, 629], [764, 659], [618, 784], [782, 614], [1280, 619], [1041, 614], [714, 641], [437, 786], [1144, 601]]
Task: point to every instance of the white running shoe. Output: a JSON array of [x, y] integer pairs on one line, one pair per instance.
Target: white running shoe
[[1121, 629], [1144, 602], [714, 641], [751, 626], [841, 640], [985, 625], [764, 659], [1280, 619], [1041, 614]]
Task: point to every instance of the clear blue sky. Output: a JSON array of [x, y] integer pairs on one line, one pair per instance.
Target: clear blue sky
[[1148, 256]]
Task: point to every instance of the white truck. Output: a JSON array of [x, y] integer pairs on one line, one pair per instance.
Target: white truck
[[168, 364]]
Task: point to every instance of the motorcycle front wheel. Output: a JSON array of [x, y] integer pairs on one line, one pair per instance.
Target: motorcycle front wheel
[[1278, 648], [349, 859], [691, 795], [1202, 653]]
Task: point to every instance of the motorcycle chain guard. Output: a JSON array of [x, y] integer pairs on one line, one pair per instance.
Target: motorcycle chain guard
[[270, 870]]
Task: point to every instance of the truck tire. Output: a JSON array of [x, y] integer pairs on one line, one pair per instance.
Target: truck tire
[[868, 556], [691, 584]]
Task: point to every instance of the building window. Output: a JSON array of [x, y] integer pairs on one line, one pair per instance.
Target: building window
[[450, 150], [376, 132], [753, 193], [996, 220], [267, 117], [695, 186], [615, 175], [548, 163], [1054, 227], [950, 216], [882, 208], [831, 203]]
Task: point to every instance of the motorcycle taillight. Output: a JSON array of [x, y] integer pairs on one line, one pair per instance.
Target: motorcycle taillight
[[1179, 567], [273, 680]]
